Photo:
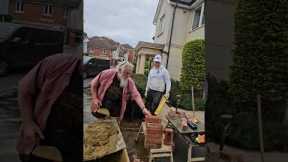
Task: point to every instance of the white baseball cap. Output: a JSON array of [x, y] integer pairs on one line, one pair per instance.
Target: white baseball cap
[[157, 58]]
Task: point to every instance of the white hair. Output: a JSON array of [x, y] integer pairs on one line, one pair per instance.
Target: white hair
[[125, 65]]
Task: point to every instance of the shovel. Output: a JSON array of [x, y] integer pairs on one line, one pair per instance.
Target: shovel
[[48, 152]]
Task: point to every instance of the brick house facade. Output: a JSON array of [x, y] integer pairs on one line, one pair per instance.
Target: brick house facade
[[47, 13], [101, 53]]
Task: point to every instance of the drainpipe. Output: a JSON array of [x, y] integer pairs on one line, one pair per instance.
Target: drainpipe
[[171, 32]]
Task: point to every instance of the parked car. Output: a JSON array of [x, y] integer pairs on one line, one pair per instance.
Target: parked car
[[93, 66], [23, 46]]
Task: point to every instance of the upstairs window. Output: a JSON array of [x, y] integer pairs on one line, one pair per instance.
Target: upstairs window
[[199, 17], [47, 10], [161, 25], [19, 6]]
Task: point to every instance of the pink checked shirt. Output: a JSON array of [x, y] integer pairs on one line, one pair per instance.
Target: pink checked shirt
[[105, 81]]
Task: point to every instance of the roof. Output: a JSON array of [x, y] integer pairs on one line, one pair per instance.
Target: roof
[[107, 43], [184, 2], [102, 42], [142, 44], [181, 3], [127, 46]]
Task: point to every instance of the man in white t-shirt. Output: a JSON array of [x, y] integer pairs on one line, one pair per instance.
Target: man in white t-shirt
[[158, 84]]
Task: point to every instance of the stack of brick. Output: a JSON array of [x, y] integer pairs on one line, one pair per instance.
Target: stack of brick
[[154, 132]]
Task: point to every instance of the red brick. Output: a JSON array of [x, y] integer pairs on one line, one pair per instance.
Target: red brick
[[152, 119], [33, 14]]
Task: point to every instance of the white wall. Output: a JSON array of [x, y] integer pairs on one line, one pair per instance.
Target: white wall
[[197, 33], [166, 10], [178, 37]]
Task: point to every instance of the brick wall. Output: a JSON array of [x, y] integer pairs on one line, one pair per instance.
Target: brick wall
[[100, 52], [33, 13]]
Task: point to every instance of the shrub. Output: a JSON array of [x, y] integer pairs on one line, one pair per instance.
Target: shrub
[[260, 55], [186, 98], [260, 67], [193, 69], [140, 81], [218, 103]]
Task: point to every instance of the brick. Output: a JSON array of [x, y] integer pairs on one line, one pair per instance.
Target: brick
[[154, 131], [33, 13], [153, 126], [152, 119]]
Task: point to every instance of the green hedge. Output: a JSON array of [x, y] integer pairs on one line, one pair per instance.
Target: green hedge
[[218, 103], [260, 56], [140, 81], [193, 69], [260, 63]]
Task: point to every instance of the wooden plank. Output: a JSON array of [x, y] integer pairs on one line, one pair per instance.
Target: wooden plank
[[161, 155], [161, 150], [198, 159]]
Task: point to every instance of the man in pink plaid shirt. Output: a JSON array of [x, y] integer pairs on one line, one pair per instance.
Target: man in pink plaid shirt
[[112, 89]]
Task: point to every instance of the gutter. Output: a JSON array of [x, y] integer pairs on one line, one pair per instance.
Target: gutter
[[171, 33], [193, 5]]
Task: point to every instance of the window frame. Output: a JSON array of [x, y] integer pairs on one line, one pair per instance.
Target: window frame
[[161, 26], [201, 7], [47, 10], [19, 6]]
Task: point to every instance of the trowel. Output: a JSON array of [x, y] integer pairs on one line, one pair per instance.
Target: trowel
[[48, 152], [102, 113]]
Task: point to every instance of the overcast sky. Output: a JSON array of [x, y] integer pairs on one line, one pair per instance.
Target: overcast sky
[[125, 21]]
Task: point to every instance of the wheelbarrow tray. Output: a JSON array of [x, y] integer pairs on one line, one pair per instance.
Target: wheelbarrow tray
[[115, 141]]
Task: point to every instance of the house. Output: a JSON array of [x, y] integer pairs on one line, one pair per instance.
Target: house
[[145, 51], [129, 53], [186, 24], [108, 49], [102, 47], [60, 14], [124, 52]]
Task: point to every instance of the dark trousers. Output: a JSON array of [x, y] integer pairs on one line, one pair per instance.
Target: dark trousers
[[153, 100]]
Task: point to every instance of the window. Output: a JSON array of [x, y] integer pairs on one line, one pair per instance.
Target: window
[[161, 24], [19, 6], [199, 18], [196, 20], [47, 10]]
